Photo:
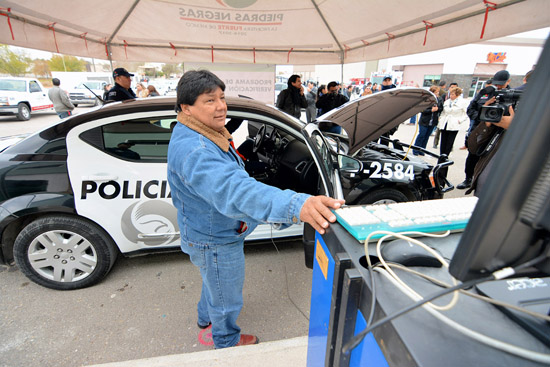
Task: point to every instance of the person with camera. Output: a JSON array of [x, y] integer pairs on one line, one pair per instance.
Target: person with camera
[[486, 149], [500, 82], [328, 102]]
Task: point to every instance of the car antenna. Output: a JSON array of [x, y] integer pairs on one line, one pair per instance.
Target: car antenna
[[98, 97]]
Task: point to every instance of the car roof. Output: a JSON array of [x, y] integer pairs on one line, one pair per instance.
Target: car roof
[[156, 104]]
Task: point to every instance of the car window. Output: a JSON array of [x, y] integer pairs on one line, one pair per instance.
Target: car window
[[144, 140], [34, 87], [13, 85]]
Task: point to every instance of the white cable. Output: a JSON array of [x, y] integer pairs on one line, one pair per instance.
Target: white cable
[[388, 234], [473, 295], [494, 343]]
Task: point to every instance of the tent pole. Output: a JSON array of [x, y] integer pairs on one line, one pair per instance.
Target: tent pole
[[342, 71]]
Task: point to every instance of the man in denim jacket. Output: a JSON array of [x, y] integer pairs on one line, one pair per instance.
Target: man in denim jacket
[[219, 204]]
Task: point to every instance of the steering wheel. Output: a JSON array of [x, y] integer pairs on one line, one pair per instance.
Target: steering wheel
[[259, 139]]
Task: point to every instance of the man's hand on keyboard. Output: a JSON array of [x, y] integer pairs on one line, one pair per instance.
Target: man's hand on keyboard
[[316, 211]]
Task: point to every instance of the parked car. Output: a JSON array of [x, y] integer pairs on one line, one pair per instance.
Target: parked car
[[77, 194], [23, 96], [81, 95]]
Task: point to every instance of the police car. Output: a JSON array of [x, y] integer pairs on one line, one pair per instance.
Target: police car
[[79, 193]]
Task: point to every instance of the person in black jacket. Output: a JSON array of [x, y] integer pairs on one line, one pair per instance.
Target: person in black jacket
[[500, 80], [292, 99], [121, 91], [328, 102], [428, 121]]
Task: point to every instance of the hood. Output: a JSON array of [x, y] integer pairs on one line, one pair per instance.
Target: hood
[[365, 119]]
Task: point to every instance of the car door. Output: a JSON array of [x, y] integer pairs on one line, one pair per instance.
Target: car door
[[38, 98], [117, 169], [325, 159]]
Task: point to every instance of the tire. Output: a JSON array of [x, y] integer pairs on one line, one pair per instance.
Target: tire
[[64, 252], [75, 104], [23, 112], [383, 196]]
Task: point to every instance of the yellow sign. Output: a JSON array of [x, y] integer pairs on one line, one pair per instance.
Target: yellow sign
[[322, 259]]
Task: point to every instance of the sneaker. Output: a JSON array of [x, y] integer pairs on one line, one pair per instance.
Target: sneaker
[[465, 184], [247, 339]]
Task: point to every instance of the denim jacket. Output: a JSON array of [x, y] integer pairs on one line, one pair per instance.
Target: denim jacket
[[217, 201]]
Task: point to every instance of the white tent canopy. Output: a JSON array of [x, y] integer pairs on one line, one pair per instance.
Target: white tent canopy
[[261, 31]]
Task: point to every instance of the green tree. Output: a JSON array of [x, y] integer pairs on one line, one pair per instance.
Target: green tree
[[12, 63], [169, 69], [67, 63], [41, 68]]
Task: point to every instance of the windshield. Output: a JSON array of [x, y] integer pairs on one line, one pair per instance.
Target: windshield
[[13, 85], [91, 85]]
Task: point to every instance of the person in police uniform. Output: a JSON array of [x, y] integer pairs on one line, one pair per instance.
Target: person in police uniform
[[121, 91]]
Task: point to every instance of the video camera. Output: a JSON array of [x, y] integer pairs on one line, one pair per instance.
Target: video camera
[[504, 99]]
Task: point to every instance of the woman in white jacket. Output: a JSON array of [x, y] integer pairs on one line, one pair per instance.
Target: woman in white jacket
[[450, 120]]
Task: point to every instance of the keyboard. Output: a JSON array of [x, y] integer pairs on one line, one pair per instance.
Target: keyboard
[[429, 216]]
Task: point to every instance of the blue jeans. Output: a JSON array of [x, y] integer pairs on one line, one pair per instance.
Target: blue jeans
[[222, 272], [422, 138], [62, 115]]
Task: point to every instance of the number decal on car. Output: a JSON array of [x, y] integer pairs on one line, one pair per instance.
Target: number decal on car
[[389, 170]]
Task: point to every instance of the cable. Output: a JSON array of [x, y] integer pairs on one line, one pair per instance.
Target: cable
[[286, 278], [445, 264], [499, 274], [359, 337], [473, 295], [494, 343], [389, 234], [370, 267]]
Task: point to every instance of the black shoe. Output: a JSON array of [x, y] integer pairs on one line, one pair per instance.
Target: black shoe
[[203, 326], [465, 185]]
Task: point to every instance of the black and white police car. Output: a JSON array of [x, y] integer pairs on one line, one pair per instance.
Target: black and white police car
[[79, 193]]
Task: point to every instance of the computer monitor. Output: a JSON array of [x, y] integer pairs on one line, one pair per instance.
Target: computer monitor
[[511, 222]]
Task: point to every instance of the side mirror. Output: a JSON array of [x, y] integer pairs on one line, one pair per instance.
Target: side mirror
[[348, 164]]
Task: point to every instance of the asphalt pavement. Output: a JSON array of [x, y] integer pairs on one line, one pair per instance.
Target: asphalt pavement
[[144, 312]]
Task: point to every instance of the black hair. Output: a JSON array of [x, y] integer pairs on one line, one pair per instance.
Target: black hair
[[292, 79], [332, 84], [442, 83], [56, 81], [194, 83]]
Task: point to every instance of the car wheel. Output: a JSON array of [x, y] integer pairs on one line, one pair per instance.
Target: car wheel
[[383, 196], [75, 104], [64, 252], [23, 112]]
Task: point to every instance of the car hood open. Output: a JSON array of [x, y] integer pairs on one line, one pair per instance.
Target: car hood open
[[365, 119]]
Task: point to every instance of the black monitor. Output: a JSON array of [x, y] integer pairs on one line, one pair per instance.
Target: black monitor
[[511, 222]]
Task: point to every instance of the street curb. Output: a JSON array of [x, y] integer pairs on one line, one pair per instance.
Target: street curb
[[288, 352]]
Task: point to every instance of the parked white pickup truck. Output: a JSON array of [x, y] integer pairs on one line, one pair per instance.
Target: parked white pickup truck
[[81, 95], [23, 96]]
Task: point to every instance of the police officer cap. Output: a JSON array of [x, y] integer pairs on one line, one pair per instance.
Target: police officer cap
[[387, 78], [501, 77], [121, 72]]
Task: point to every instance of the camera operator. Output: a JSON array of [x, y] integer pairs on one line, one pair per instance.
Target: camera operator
[[500, 82], [485, 140], [328, 102]]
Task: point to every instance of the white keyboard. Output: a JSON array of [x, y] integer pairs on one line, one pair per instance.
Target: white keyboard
[[429, 216]]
